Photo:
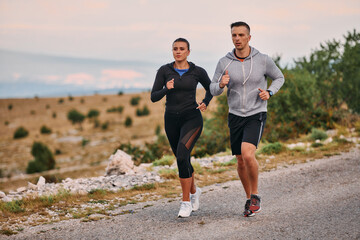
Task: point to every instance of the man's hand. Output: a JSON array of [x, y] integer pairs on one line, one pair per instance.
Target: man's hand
[[264, 95], [224, 80], [201, 106], [170, 84]]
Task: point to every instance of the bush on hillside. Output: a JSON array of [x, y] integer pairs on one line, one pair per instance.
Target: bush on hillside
[[44, 159], [135, 101], [128, 122], [142, 112], [45, 130], [93, 113], [317, 134], [76, 117], [20, 132]]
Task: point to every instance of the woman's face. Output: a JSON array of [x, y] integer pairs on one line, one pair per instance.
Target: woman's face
[[180, 51]]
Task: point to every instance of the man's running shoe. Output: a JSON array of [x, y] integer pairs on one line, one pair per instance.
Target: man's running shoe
[[185, 209], [247, 212], [194, 198], [255, 203]]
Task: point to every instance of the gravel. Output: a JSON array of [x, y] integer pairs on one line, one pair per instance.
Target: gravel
[[315, 200]]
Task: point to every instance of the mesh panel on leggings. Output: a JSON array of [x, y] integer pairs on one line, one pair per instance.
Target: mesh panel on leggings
[[188, 139]]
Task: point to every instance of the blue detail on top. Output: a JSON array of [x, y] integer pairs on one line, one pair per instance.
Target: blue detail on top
[[181, 71]]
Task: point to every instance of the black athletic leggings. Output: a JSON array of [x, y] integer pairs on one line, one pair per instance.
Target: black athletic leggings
[[182, 131]]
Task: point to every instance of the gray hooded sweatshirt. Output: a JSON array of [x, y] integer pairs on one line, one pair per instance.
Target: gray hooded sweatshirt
[[245, 79]]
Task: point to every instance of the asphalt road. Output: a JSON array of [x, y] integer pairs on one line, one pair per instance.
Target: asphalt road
[[315, 200]]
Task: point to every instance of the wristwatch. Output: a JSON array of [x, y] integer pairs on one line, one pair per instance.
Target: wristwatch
[[270, 93]]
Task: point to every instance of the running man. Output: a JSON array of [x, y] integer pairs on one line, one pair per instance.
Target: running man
[[244, 71]]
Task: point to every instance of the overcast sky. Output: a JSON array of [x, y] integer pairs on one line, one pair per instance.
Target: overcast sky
[[145, 29]]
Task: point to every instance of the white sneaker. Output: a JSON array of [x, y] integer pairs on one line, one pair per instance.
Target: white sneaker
[[194, 198], [185, 209]]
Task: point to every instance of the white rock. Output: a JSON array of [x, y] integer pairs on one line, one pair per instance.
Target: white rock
[[21, 189], [120, 163], [32, 186], [2, 194], [328, 140], [6, 199], [41, 182]]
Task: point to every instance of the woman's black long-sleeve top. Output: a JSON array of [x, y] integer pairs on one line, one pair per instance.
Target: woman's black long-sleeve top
[[183, 96]]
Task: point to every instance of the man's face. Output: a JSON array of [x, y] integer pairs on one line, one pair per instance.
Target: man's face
[[240, 37]]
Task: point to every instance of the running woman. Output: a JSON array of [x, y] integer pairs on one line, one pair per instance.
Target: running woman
[[183, 121], [244, 71]]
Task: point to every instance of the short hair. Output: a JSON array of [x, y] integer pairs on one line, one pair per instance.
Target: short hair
[[183, 40], [238, 24]]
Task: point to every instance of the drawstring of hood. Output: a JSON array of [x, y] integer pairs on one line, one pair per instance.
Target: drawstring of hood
[[225, 70], [251, 65], [232, 59]]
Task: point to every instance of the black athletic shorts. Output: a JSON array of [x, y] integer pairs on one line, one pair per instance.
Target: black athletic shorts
[[245, 129]]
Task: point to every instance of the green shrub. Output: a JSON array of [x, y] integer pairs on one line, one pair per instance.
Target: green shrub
[[70, 98], [84, 142], [45, 130], [229, 163], [135, 101], [32, 112], [6, 123], [47, 106], [120, 93], [93, 113], [105, 125], [20, 132], [54, 114], [157, 130], [10, 107], [76, 117], [318, 134], [128, 122], [82, 101], [215, 136], [143, 112], [61, 100], [272, 148], [165, 160], [44, 159], [118, 109], [315, 145]]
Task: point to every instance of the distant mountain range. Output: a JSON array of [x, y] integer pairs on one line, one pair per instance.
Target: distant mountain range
[[25, 75]]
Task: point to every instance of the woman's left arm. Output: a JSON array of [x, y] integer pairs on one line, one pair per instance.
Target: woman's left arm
[[205, 81]]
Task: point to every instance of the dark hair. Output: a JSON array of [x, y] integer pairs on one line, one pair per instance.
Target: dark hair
[[183, 40], [238, 24]]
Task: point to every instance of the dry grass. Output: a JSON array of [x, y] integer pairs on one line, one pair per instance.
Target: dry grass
[[75, 159]]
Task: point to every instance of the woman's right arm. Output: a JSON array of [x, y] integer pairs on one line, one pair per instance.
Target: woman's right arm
[[159, 89]]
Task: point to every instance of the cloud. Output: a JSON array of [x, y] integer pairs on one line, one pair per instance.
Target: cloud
[[120, 74], [111, 78], [51, 78], [79, 79]]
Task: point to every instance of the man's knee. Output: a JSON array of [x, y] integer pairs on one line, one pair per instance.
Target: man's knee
[[240, 162]]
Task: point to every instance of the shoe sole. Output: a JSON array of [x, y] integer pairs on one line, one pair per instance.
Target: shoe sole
[[256, 211], [252, 215]]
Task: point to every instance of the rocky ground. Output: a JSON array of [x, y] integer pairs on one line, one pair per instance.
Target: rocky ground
[[315, 200]]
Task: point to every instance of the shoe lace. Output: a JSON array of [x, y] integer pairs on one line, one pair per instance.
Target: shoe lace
[[183, 206]]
